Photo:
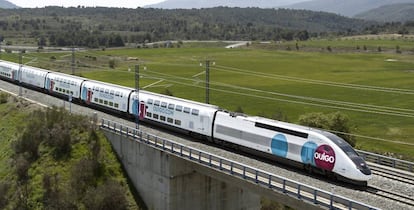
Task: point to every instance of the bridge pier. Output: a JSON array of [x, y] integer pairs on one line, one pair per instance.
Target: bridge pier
[[165, 181]]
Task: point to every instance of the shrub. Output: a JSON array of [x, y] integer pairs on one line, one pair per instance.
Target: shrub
[[4, 188], [3, 98], [334, 122], [22, 168], [106, 197]]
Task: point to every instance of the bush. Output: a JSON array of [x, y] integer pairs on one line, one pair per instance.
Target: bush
[[4, 188], [332, 122], [22, 168], [83, 175], [3, 98], [106, 197], [167, 92], [112, 63]]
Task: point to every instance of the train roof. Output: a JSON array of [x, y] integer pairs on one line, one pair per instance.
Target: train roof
[[185, 101], [109, 85], [67, 75], [35, 69]]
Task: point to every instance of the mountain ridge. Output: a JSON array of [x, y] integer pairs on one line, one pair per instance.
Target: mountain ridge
[[197, 4], [7, 5], [390, 13], [348, 8]]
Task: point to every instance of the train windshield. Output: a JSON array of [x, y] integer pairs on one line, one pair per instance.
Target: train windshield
[[345, 146]]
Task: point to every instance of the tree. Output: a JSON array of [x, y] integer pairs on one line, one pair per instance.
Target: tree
[[42, 41]]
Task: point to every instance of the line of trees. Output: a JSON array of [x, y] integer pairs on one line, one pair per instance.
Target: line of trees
[[92, 27]]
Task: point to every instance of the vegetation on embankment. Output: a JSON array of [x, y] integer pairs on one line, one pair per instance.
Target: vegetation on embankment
[[51, 159]]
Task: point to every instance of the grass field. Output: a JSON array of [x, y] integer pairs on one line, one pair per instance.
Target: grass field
[[375, 90]]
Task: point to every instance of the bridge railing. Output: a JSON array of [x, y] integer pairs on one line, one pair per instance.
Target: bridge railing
[[387, 161], [265, 179]]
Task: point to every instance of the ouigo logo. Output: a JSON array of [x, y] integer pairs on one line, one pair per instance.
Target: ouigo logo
[[324, 157]]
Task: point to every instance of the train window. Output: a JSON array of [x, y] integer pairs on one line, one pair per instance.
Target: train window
[[155, 116], [162, 118], [171, 106], [149, 114], [71, 92], [164, 104], [112, 92], [100, 101], [170, 120], [179, 108], [101, 90], [106, 102], [187, 110], [116, 105], [177, 122], [96, 100], [106, 91], [117, 93], [56, 88], [156, 103], [111, 103], [149, 101], [195, 112]]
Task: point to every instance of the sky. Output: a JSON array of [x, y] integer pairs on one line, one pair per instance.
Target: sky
[[88, 3]]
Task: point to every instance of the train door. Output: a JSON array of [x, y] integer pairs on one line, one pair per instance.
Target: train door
[[87, 95], [140, 110], [143, 110], [50, 84], [14, 75], [204, 123]]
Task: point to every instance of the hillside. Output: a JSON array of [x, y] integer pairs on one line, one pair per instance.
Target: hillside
[[112, 27], [189, 4], [51, 159], [7, 5], [390, 13], [347, 8]]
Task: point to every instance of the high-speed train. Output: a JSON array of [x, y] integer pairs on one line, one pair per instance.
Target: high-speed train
[[313, 149]]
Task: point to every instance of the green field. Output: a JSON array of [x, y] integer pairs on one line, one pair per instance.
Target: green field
[[264, 81]]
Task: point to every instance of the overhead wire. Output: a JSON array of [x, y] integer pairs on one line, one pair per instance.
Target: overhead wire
[[322, 102], [311, 81]]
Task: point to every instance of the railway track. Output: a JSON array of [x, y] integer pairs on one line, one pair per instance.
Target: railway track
[[396, 175], [389, 195], [392, 184]]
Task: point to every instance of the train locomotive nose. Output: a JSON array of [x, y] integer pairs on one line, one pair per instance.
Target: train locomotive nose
[[361, 165], [364, 168]]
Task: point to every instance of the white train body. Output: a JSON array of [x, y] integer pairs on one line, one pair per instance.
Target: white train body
[[309, 147], [9, 70], [63, 84], [33, 76], [175, 112], [105, 95], [301, 144]]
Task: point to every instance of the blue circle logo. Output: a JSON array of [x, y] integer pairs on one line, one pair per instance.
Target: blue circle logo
[[307, 153], [279, 145]]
